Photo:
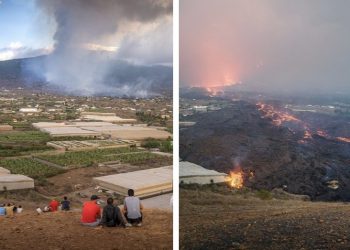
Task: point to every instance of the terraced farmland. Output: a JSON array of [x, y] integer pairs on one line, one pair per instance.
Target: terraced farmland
[[88, 158], [30, 167]]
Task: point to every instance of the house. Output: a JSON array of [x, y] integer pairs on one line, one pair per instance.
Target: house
[[193, 173]]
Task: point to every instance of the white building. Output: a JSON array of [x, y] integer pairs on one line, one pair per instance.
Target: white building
[[29, 110], [200, 108], [193, 173]]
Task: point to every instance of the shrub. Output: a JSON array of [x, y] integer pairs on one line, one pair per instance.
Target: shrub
[[264, 194]]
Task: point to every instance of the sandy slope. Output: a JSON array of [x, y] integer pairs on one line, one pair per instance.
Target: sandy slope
[[62, 230], [211, 220]]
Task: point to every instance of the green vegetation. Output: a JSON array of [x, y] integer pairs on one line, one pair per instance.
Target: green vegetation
[[264, 194], [164, 146], [23, 142], [6, 151], [88, 158], [151, 119], [24, 136], [30, 167], [16, 143]]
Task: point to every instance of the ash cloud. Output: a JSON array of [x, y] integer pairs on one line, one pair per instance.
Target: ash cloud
[[271, 45], [94, 36]]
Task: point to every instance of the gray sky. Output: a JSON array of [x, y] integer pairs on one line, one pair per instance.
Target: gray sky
[[268, 45]]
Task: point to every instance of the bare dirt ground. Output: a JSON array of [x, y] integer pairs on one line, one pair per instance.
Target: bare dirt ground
[[62, 230], [212, 220]]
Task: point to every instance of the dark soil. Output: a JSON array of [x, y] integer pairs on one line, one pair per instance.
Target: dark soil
[[211, 220]]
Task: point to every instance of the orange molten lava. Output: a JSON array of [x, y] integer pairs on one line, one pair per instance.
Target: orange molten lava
[[344, 139], [307, 134], [236, 179], [277, 117], [322, 133]]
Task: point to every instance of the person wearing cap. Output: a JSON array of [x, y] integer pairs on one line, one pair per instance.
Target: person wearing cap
[[91, 213]]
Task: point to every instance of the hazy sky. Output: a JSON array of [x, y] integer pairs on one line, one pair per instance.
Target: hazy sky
[[266, 44], [24, 31]]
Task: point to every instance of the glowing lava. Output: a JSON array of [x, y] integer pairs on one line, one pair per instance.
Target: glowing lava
[[236, 179], [322, 133], [344, 139], [277, 117]]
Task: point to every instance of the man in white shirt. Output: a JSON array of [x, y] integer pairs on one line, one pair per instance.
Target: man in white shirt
[[133, 208]]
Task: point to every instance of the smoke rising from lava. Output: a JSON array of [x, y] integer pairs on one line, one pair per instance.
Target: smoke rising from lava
[[92, 35], [271, 45]]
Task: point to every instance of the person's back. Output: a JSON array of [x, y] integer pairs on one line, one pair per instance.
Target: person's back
[[132, 205], [19, 209], [111, 215], [132, 208], [9, 210], [91, 212], [65, 204], [53, 206], [108, 216]]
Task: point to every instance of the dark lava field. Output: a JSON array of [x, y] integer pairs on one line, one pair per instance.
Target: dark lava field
[[241, 137]]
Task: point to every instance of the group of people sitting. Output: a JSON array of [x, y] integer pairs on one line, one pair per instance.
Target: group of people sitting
[[10, 209], [111, 214], [54, 206]]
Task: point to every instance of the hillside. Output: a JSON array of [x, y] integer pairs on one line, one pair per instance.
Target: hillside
[[211, 219], [62, 230]]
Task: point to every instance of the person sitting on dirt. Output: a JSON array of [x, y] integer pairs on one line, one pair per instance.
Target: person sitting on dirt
[[65, 204], [133, 208], [2, 210], [9, 210], [91, 213], [19, 209], [53, 206], [111, 215]]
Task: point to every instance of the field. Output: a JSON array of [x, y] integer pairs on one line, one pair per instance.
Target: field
[[30, 167], [24, 136], [214, 219], [163, 145], [22, 143], [87, 158]]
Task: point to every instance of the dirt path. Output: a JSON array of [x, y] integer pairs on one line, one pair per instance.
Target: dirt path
[[214, 221], [62, 230]]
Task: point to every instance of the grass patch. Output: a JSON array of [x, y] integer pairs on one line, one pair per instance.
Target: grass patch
[[24, 136], [16, 143], [264, 194], [164, 146]]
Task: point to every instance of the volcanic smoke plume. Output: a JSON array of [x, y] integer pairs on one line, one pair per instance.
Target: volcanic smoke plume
[[277, 46], [92, 35]]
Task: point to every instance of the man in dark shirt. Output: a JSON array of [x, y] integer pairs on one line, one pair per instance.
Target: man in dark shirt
[[65, 204], [111, 215]]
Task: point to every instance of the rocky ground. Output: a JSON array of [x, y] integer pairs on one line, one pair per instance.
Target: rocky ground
[[212, 219], [239, 137], [62, 230]]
